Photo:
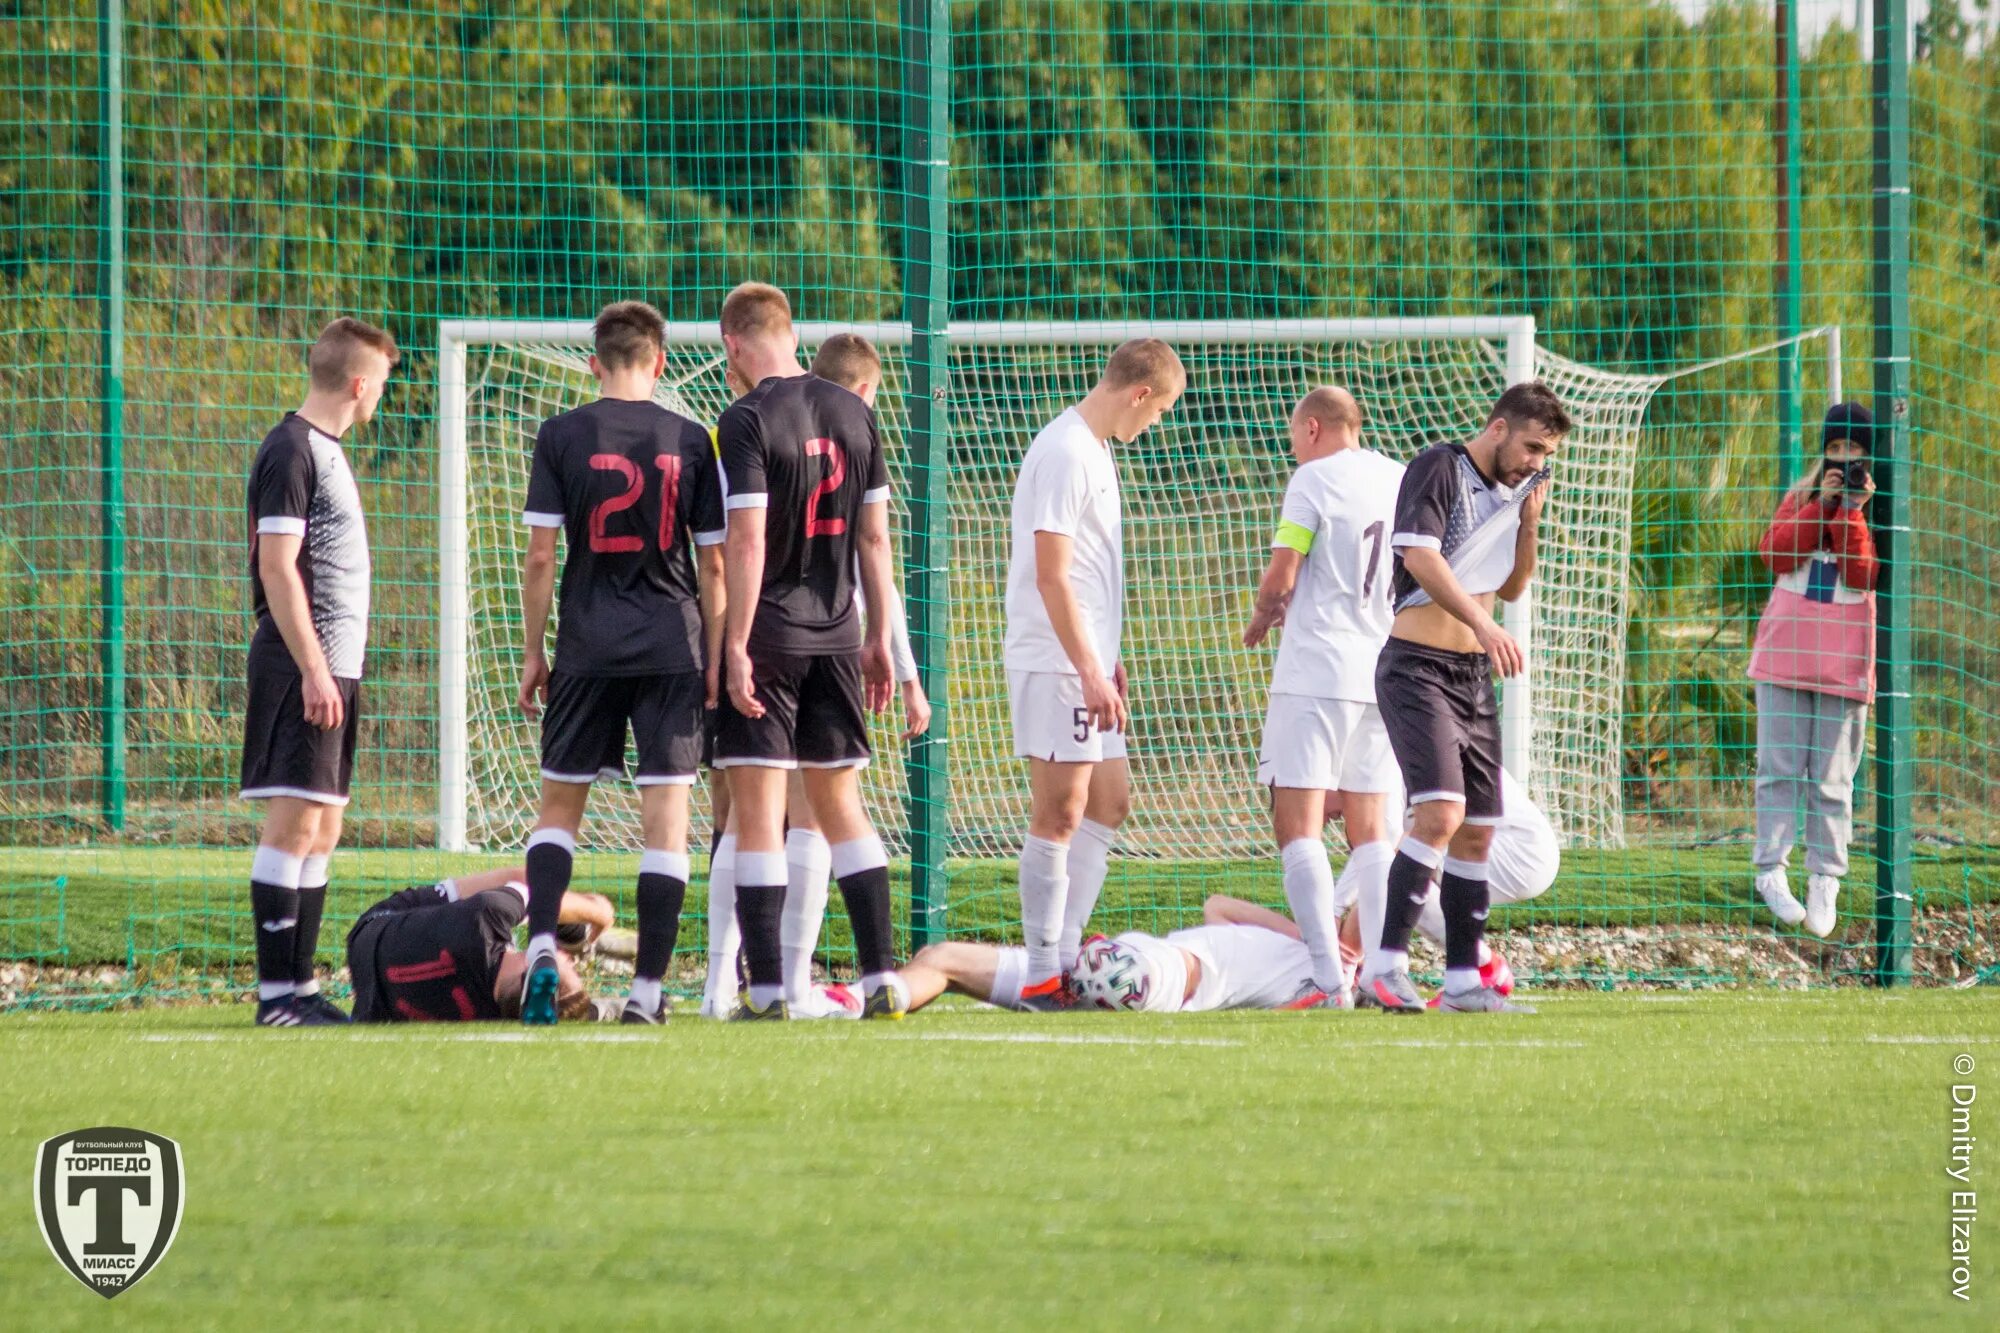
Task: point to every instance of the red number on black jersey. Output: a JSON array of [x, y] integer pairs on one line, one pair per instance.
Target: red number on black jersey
[[836, 474], [670, 496], [600, 541]]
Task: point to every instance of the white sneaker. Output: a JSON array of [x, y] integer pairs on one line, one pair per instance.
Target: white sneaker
[[1777, 895], [719, 1007], [827, 1002], [1822, 892]]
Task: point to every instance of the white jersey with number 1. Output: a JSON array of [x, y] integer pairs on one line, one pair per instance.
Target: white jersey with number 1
[[1339, 513]]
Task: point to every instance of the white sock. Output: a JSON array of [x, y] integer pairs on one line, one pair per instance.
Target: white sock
[[808, 866], [874, 981], [645, 994], [1386, 961], [1044, 895], [1458, 980], [1369, 864], [1089, 863], [1309, 890], [765, 996], [539, 945], [725, 935]]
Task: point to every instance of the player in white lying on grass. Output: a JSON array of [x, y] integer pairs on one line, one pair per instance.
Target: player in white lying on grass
[[1066, 684], [1521, 864], [849, 360], [1242, 956], [1328, 578]]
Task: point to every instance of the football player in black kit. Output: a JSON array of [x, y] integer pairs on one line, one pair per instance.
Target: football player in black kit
[[808, 496], [309, 583], [444, 952], [634, 487]]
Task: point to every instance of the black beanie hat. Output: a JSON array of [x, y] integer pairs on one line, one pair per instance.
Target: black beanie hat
[[1849, 421]]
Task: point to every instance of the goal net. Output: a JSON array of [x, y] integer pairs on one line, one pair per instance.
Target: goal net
[[1201, 493]]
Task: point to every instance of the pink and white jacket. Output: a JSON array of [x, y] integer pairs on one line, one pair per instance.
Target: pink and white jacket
[[1818, 630]]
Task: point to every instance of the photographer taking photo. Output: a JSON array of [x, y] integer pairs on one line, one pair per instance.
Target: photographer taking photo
[[1814, 665]]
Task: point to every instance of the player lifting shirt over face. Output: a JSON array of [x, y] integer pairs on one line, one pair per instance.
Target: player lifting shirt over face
[[808, 501]]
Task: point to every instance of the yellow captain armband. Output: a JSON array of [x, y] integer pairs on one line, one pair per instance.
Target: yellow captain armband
[[715, 441], [1292, 535]]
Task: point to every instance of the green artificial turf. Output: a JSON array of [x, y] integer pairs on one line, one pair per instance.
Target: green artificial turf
[[1761, 1161]]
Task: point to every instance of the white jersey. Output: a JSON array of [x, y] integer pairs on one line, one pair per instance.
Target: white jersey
[[1339, 513], [1067, 485], [1244, 967]]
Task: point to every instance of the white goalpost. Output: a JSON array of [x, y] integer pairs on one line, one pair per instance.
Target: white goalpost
[[1201, 493]]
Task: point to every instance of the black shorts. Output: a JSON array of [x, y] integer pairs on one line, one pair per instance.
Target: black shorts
[[285, 755], [583, 729], [1444, 725], [814, 715]]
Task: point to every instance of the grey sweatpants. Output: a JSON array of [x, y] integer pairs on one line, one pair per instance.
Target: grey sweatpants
[[1808, 748]]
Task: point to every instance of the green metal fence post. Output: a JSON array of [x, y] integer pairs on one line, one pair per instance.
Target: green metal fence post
[[1893, 478], [111, 377], [1790, 271], [926, 36]]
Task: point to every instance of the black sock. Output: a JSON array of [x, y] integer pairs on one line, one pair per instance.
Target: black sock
[[277, 911], [1464, 901], [312, 906], [549, 865], [660, 901], [760, 910], [866, 893], [1409, 886]]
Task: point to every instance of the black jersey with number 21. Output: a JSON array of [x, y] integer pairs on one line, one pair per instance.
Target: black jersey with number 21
[[631, 484], [807, 452]]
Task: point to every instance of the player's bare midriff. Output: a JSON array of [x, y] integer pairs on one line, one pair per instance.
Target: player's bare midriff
[[1435, 627]]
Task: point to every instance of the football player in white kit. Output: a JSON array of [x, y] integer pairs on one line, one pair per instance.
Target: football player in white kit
[[1242, 956], [1065, 682], [1328, 578]]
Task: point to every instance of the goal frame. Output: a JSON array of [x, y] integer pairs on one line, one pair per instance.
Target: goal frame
[[1515, 332]]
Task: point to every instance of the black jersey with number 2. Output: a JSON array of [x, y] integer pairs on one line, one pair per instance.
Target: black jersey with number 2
[[807, 452], [631, 484]]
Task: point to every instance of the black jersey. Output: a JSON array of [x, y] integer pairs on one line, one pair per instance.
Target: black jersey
[[301, 486], [808, 453], [416, 957], [631, 484], [1449, 506]]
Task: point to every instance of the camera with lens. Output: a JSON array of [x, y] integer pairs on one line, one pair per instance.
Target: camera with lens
[[1853, 473]]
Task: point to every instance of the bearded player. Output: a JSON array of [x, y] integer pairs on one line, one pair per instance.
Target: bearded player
[[1467, 522], [808, 506], [636, 491], [1328, 578], [1065, 683]]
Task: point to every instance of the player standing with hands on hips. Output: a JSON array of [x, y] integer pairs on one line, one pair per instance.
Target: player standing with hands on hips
[[309, 583], [1065, 683], [1467, 521]]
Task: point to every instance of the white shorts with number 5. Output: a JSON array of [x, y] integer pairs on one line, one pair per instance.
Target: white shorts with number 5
[[1050, 721], [1326, 745]]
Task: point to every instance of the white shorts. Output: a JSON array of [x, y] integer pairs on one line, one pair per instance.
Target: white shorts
[[1326, 745], [1050, 721], [1010, 974]]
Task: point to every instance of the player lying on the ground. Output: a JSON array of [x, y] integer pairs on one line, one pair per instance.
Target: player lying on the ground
[[849, 360], [1521, 864], [1242, 957], [445, 952]]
